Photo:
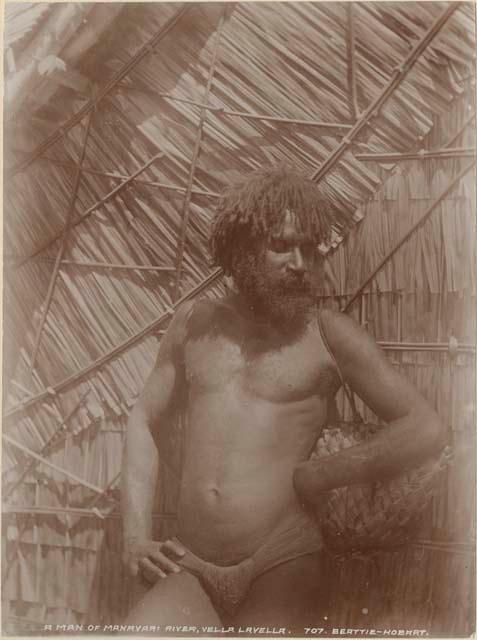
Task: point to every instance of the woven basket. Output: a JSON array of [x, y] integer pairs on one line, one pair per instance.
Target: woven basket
[[372, 517]]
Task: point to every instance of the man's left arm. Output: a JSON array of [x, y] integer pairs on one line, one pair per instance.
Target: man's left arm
[[413, 432]]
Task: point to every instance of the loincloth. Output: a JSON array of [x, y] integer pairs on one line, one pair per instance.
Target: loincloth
[[227, 586]]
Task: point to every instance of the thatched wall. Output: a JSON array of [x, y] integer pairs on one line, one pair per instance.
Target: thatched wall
[[100, 335], [425, 294]]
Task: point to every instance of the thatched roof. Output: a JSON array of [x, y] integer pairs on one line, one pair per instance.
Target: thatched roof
[[283, 60], [281, 82]]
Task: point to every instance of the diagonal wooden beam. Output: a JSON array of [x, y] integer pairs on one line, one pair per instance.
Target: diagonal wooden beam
[[90, 264], [336, 128], [75, 511], [54, 439], [407, 235], [195, 157], [61, 250], [399, 74], [114, 353], [10, 558], [55, 467], [352, 67], [460, 131], [444, 154], [145, 50], [333, 128], [107, 488], [91, 209], [119, 176]]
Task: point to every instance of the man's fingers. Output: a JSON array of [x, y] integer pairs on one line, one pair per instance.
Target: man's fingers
[[149, 568], [164, 562], [175, 548]]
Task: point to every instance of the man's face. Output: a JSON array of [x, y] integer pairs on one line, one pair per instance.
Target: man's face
[[289, 258], [280, 280]]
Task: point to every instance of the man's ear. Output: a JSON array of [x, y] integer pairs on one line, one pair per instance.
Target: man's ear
[[229, 283]]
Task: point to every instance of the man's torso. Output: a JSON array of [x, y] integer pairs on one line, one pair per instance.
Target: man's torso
[[255, 405]]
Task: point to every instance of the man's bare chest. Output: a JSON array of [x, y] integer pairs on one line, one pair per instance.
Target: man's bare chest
[[284, 374]]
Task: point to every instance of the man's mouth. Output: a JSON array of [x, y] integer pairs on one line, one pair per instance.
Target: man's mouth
[[295, 286]]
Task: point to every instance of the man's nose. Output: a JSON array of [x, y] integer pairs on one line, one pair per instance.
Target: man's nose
[[297, 263]]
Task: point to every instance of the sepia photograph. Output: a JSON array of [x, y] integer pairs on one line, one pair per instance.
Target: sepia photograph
[[239, 319]]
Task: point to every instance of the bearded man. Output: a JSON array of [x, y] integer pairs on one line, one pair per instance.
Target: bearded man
[[256, 374]]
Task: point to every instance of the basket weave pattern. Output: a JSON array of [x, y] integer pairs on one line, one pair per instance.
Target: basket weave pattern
[[382, 515]]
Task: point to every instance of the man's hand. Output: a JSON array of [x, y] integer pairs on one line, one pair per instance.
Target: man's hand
[[153, 559]]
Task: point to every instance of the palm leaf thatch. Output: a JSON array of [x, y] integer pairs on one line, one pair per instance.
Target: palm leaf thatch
[[185, 112]]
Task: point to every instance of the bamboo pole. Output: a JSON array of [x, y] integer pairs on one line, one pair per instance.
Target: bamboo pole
[[61, 250], [407, 235], [400, 73], [20, 534], [467, 548], [352, 67], [52, 465], [114, 353], [460, 131], [399, 317], [330, 127], [445, 154], [90, 106], [120, 176], [195, 157], [36, 542], [115, 267], [75, 511], [20, 387], [88, 264], [427, 346], [338, 128], [108, 487], [55, 438], [93, 208]]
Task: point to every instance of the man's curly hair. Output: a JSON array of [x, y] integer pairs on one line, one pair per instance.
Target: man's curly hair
[[254, 208]]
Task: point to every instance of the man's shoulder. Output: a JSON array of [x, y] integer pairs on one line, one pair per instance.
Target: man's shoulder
[[195, 318], [342, 332], [348, 341], [337, 323]]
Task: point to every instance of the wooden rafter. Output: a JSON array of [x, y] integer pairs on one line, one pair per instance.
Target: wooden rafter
[[373, 110], [195, 157], [114, 353], [452, 184], [55, 438], [75, 511], [111, 484], [338, 128], [441, 347], [460, 131], [444, 154], [119, 176], [352, 66], [61, 250], [93, 208], [55, 467], [89, 264]]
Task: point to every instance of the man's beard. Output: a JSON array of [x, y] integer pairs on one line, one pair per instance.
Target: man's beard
[[284, 301]]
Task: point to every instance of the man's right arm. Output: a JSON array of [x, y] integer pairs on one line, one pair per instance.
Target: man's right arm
[[154, 408]]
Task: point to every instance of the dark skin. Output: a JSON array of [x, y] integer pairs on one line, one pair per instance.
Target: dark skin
[[257, 399]]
